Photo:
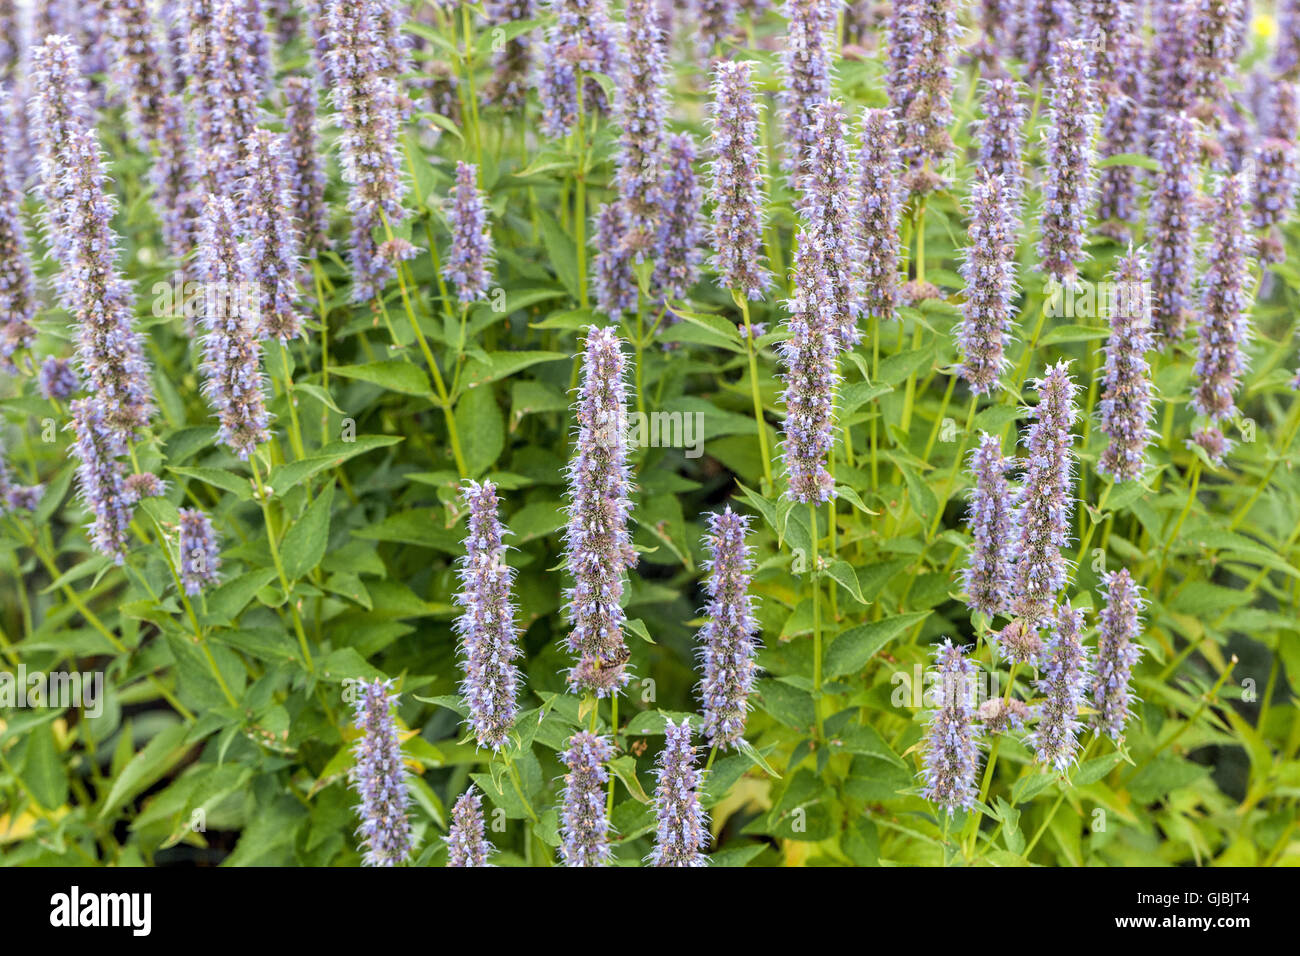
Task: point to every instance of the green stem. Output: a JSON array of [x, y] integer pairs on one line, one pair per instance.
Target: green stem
[[264, 501]]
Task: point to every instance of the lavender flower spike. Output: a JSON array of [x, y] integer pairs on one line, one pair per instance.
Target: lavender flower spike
[[989, 578], [1225, 327], [806, 79], [1123, 130], [990, 273], [832, 229], [1068, 190], [1126, 401], [508, 87], [101, 478], [811, 375], [1172, 229], [467, 842], [273, 237], [682, 831], [879, 200], [365, 96], [598, 546], [487, 631], [137, 67], [200, 553], [1043, 506], [468, 265], [924, 90], [1042, 25], [172, 177], [581, 39], [737, 182], [56, 109], [307, 170], [677, 250], [379, 779], [584, 827], [612, 279], [640, 111], [58, 381], [729, 638], [1119, 625], [715, 20], [952, 755], [232, 367], [1063, 686], [1001, 135], [17, 284]]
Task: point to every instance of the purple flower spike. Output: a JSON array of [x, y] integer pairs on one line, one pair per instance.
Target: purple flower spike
[[467, 842], [990, 273], [682, 830], [612, 279], [640, 111], [584, 828], [1068, 189], [172, 178], [469, 264], [580, 40], [307, 169], [806, 76], [952, 756], [236, 110], [232, 356], [1126, 401], [677, 246], [58, 380], [57, 108], [365, 96], [1276, 173], [1044, 504], [1171, 228], [729, 639], [1119, 625], [487, 631], [810, 357], [137, 70], [379, 779], [511, 65], [1064, 683], [1042, 26], [200, 552], [921, 92], [716, 21], [17, 284], [990, 577], [880, 206], [1123, 130], [273, 238], [202, 67], [832, 230], [1001, 135], [598, 545], [1215, 33], [1225, 326], [1286, 58], [101, 478], [737, 182]]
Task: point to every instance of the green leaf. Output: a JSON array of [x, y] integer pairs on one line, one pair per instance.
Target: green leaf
[[491, 366], [482, 430], [43, 771], [393, 375], [851, 649], [238, 485], [163, 752], [844, 575], [304, 544], [624, 768]]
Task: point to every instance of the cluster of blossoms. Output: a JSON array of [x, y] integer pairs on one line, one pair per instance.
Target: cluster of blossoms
[[737, 183], [806, 75], [1122, 131], [677, 252], [681, 825], [990, 273], [728, 641], [1171, 228], [952, 756], [1001, 135], [831, 229], [379, 777], [1064, 683], [467, 842], [923, 37], [639, 109], [989, 576], [469, 264], [200, 553], [580, 41], [1068, 190], [584, 827], [512, 64], [879, 208], [1126, 401]]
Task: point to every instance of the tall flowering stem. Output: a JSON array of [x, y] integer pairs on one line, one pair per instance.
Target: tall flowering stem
[[231, 301], [1123, 130], [1041, 26], [365, 97], [729, 638], [137, 67], [613, 282], [832, 229], [1044, 503], [467, 842], [1118, 627], [584, 826], [598, 546], [990, 273], [379, 778], [1126, 390], [639, 110], [307, 170], [1064, 683], [737, 182], [1068, 190], [1225, 307], [469, 264], [18, 301], [677, 252], [173, 178], [806, 79], [952, 756], [1001, 134], [879, 196], [274, 242], [487, 631], [1171, 228], [811, 376], [580, 41], [681, 825], [990, 575], [511, 65], [922, 92], [101, 478]]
